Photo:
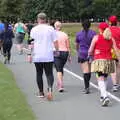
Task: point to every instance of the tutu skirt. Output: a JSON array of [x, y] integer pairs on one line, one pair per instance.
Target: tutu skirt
[[104, 66]]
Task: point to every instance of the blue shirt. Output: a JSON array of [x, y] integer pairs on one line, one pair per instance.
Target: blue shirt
[[2, 27]]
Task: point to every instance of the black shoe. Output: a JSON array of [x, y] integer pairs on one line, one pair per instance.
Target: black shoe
[[61, 89], [86, 91]]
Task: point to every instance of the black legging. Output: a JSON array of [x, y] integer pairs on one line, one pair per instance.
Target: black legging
[[7, 50], [48, 67]]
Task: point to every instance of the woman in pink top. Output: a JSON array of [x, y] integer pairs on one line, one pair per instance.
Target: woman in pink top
[[62, 54]]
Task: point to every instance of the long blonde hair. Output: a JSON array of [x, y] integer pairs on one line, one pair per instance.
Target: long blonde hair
[[107, 34]]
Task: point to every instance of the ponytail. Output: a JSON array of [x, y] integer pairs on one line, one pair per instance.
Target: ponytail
[[107, 34]]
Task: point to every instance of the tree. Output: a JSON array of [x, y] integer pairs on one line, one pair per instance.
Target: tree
[[64, 10], [11, 9]]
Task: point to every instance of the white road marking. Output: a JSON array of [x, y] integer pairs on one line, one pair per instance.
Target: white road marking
[[95, 86]]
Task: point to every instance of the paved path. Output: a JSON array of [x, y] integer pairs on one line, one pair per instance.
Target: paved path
[[70, 105]]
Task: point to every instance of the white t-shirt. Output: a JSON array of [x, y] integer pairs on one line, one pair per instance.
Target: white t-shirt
[[44, 36]]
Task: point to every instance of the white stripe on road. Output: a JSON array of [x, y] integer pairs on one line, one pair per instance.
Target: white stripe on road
[[95, 86]]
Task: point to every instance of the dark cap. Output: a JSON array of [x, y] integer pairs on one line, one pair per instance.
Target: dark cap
[[42, 15]]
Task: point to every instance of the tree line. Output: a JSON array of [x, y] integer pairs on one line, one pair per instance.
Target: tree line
[[64, 10]]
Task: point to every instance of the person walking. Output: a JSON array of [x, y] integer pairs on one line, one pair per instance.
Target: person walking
[[62, 54], [30, 42], [103, 63], [44, 36], [2, 27], [6, 37], [83, 41], [20, 29], [115, 30]]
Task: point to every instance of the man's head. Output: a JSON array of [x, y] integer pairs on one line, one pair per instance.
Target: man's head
[[41, 17], [113, 20]]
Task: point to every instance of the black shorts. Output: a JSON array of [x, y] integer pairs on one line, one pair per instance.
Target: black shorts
[[116, 60], [102, 74], [60, 60], [81, 60]]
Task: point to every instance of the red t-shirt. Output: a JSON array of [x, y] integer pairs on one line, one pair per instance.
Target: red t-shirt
[[102, 48], [116, 35]]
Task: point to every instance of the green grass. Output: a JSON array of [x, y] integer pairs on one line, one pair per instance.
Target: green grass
[[71, 29], [13, 105]]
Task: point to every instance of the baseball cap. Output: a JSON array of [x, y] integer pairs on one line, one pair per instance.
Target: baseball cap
[[103, 25], [42, 15], [113, 19]]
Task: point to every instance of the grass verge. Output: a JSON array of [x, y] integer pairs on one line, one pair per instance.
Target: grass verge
[[13, 105]]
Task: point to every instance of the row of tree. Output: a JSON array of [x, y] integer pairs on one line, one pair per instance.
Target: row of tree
[[65, 10]]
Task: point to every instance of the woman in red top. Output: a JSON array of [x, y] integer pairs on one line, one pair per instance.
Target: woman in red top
[[115, 30], [103, 64]]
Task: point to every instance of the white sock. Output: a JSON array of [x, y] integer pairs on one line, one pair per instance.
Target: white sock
[[102, 88]]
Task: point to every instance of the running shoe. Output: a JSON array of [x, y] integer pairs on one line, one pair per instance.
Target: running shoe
[[61, 89], [86, 91], [105, 101], [115, 88], [40, 95], [49, 94]]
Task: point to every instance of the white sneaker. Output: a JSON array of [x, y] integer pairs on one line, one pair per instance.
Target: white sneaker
[[40, 95], [115, 88], [105, 101]]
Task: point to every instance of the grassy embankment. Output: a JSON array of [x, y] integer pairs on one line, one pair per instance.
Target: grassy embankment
[[13, 105]]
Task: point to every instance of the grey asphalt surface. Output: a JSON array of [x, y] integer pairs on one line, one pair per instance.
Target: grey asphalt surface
[[70, 105]]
